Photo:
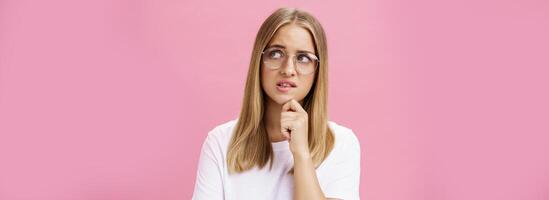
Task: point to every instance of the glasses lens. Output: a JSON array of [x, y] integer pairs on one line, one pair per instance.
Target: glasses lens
[[273, 58], [306, 63]]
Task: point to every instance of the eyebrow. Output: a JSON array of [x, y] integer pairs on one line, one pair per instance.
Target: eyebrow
[[283, 47]]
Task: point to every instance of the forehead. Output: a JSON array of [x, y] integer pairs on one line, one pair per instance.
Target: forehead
[[293, 38]]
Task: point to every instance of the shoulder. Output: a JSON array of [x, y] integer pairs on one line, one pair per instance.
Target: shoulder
[[222, 129], [344, 136], [222, 133], [345, 153]]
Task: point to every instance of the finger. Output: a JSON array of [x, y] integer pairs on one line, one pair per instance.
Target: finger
[[296, 106], [284, 116], [287, 107], [287, 125], [286, 131]]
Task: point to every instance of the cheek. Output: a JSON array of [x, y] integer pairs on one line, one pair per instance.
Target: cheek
[[266, 78], [308, 83], [310, 80]]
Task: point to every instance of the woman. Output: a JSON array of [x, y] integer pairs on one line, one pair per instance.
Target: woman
[[283, 123]]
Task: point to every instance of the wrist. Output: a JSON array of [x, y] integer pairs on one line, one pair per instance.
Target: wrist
[[303, 154]]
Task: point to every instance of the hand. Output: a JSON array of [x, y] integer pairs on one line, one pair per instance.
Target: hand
[[294, 125]]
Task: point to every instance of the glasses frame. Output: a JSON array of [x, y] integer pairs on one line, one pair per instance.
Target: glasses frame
[[294, 59]]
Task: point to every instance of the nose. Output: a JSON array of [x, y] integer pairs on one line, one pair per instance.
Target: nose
[[288, 68]]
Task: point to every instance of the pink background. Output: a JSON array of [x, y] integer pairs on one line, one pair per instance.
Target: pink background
[[112, 99]]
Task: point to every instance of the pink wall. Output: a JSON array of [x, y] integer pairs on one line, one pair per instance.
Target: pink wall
[[111, 100]]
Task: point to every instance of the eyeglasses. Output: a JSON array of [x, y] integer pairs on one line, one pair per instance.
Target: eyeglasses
[[274, 58]]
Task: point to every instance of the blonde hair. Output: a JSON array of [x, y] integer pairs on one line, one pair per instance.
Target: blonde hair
[[250, 144]]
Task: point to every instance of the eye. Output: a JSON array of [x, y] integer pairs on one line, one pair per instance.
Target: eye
[[275, 54], [304, 58]]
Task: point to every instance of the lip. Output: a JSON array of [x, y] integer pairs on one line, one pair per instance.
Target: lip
[[285, 89]]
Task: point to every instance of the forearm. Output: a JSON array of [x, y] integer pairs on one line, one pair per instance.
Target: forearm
[[305, 180]]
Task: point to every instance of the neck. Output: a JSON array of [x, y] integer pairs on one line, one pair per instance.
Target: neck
[[272, 120]]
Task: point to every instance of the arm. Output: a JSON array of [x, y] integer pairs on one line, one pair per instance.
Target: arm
[[208, 185], [294, 126], [305, 180], [343, 178], [344, 182]]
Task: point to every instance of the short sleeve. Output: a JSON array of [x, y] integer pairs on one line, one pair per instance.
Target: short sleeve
[[209, 184], [344, 173]]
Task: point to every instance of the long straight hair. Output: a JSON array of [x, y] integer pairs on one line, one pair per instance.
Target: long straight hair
[[250, 145]]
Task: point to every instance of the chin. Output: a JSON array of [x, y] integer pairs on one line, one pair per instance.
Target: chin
[[281, 99]]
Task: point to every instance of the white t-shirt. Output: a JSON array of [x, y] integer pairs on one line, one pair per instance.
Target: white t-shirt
[[338, 174]]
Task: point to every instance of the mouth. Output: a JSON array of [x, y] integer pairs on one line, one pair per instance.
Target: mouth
[[285, 86]]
